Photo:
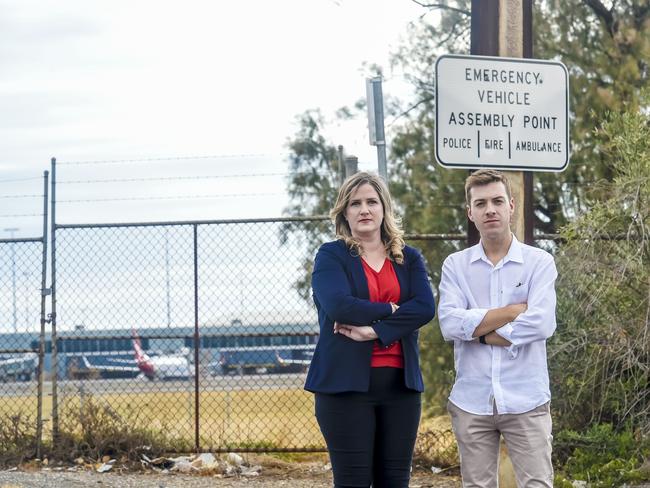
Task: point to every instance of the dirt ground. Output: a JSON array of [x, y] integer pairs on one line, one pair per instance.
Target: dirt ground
[[274, 472], [113, 480]]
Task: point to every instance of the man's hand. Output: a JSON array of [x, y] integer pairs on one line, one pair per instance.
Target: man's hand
[[359, 334]]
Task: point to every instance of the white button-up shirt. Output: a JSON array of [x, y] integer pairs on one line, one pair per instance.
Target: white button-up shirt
[[513, 378]]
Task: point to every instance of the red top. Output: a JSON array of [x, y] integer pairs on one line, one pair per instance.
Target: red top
[[384, 287]]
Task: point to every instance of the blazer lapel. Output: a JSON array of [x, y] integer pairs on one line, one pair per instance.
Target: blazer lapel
[[358, 276], [402, 277]]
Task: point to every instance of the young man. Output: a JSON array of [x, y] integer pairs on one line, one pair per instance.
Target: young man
[[497, 304]]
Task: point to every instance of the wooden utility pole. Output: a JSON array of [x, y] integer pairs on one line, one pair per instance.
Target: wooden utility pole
[[505, 28]]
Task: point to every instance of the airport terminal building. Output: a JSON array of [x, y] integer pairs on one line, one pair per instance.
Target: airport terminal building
[[109, 353]]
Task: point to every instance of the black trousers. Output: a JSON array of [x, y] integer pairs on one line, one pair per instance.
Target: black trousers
[[370, 436]]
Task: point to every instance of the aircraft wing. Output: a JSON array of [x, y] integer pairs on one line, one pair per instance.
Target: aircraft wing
[[115, 365]]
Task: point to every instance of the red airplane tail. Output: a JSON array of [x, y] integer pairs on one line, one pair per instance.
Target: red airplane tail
[[142, 359]]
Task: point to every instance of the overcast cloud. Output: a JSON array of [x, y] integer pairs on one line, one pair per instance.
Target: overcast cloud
[[107, 80]]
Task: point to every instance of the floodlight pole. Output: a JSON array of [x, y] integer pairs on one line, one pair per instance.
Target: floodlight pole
[[375, 101]]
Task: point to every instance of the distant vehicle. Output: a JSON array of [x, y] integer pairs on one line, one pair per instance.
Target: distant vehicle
[[18, 367], [263, 359], [163, 367]]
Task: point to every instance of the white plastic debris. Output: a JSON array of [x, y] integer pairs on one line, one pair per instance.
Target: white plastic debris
[[436, 470], [107, 466], [205, 460], [251, 471], [234, 458], [183, 466]]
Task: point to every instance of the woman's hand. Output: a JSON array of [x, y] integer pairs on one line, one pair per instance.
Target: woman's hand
[[360, 334]]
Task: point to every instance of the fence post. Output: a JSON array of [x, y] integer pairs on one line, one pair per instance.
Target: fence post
[[197, 343], [41, 339], [53, 338]]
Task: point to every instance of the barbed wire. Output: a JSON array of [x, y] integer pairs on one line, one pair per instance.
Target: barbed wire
[[183, 178], [8, 216], [169, 158], [13, 180], [21, 196], [173, 197]]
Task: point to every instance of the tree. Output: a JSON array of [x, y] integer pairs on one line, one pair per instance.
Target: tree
[[600, 357], [606, 47], [315, 177]]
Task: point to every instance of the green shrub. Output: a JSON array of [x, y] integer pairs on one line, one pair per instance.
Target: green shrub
[[17, 439], [600, 353], [601, 456], [94, 429]]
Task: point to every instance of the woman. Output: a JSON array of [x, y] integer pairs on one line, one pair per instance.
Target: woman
[[372, 293]]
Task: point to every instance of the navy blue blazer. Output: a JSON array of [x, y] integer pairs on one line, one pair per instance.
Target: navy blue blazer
[[341, 294]]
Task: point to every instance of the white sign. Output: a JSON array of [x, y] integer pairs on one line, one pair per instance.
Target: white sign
[[502, 113]]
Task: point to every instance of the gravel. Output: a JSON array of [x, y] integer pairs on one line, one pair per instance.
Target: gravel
[[310, 471], [79, 479]]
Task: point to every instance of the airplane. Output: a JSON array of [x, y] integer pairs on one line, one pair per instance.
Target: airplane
[[163, 367], [263, 359], [105, 367]]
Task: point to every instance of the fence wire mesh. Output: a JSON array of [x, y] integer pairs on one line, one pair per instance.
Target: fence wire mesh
[[436, 447], [20, 310], [182, 336], [130, 300]]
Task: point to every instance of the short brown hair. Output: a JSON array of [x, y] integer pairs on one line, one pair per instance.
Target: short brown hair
[[484, 177]]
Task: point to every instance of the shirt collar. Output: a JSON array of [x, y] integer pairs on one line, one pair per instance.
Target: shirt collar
[[514, 253]]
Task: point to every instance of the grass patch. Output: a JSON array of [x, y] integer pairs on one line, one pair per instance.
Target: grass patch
[[126, 424], [92, 428], [233, 419]]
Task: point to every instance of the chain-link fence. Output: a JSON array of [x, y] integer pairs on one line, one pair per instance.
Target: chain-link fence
[[199, 333], [21, 274], [186, 335]]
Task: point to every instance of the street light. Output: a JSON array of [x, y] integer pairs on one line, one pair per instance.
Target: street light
[[11, 231]]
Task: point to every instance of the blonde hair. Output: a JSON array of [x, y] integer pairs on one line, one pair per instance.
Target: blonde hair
[[391, 231], [484, 177]]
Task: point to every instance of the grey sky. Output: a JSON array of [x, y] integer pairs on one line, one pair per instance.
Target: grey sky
[[107, 80]]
